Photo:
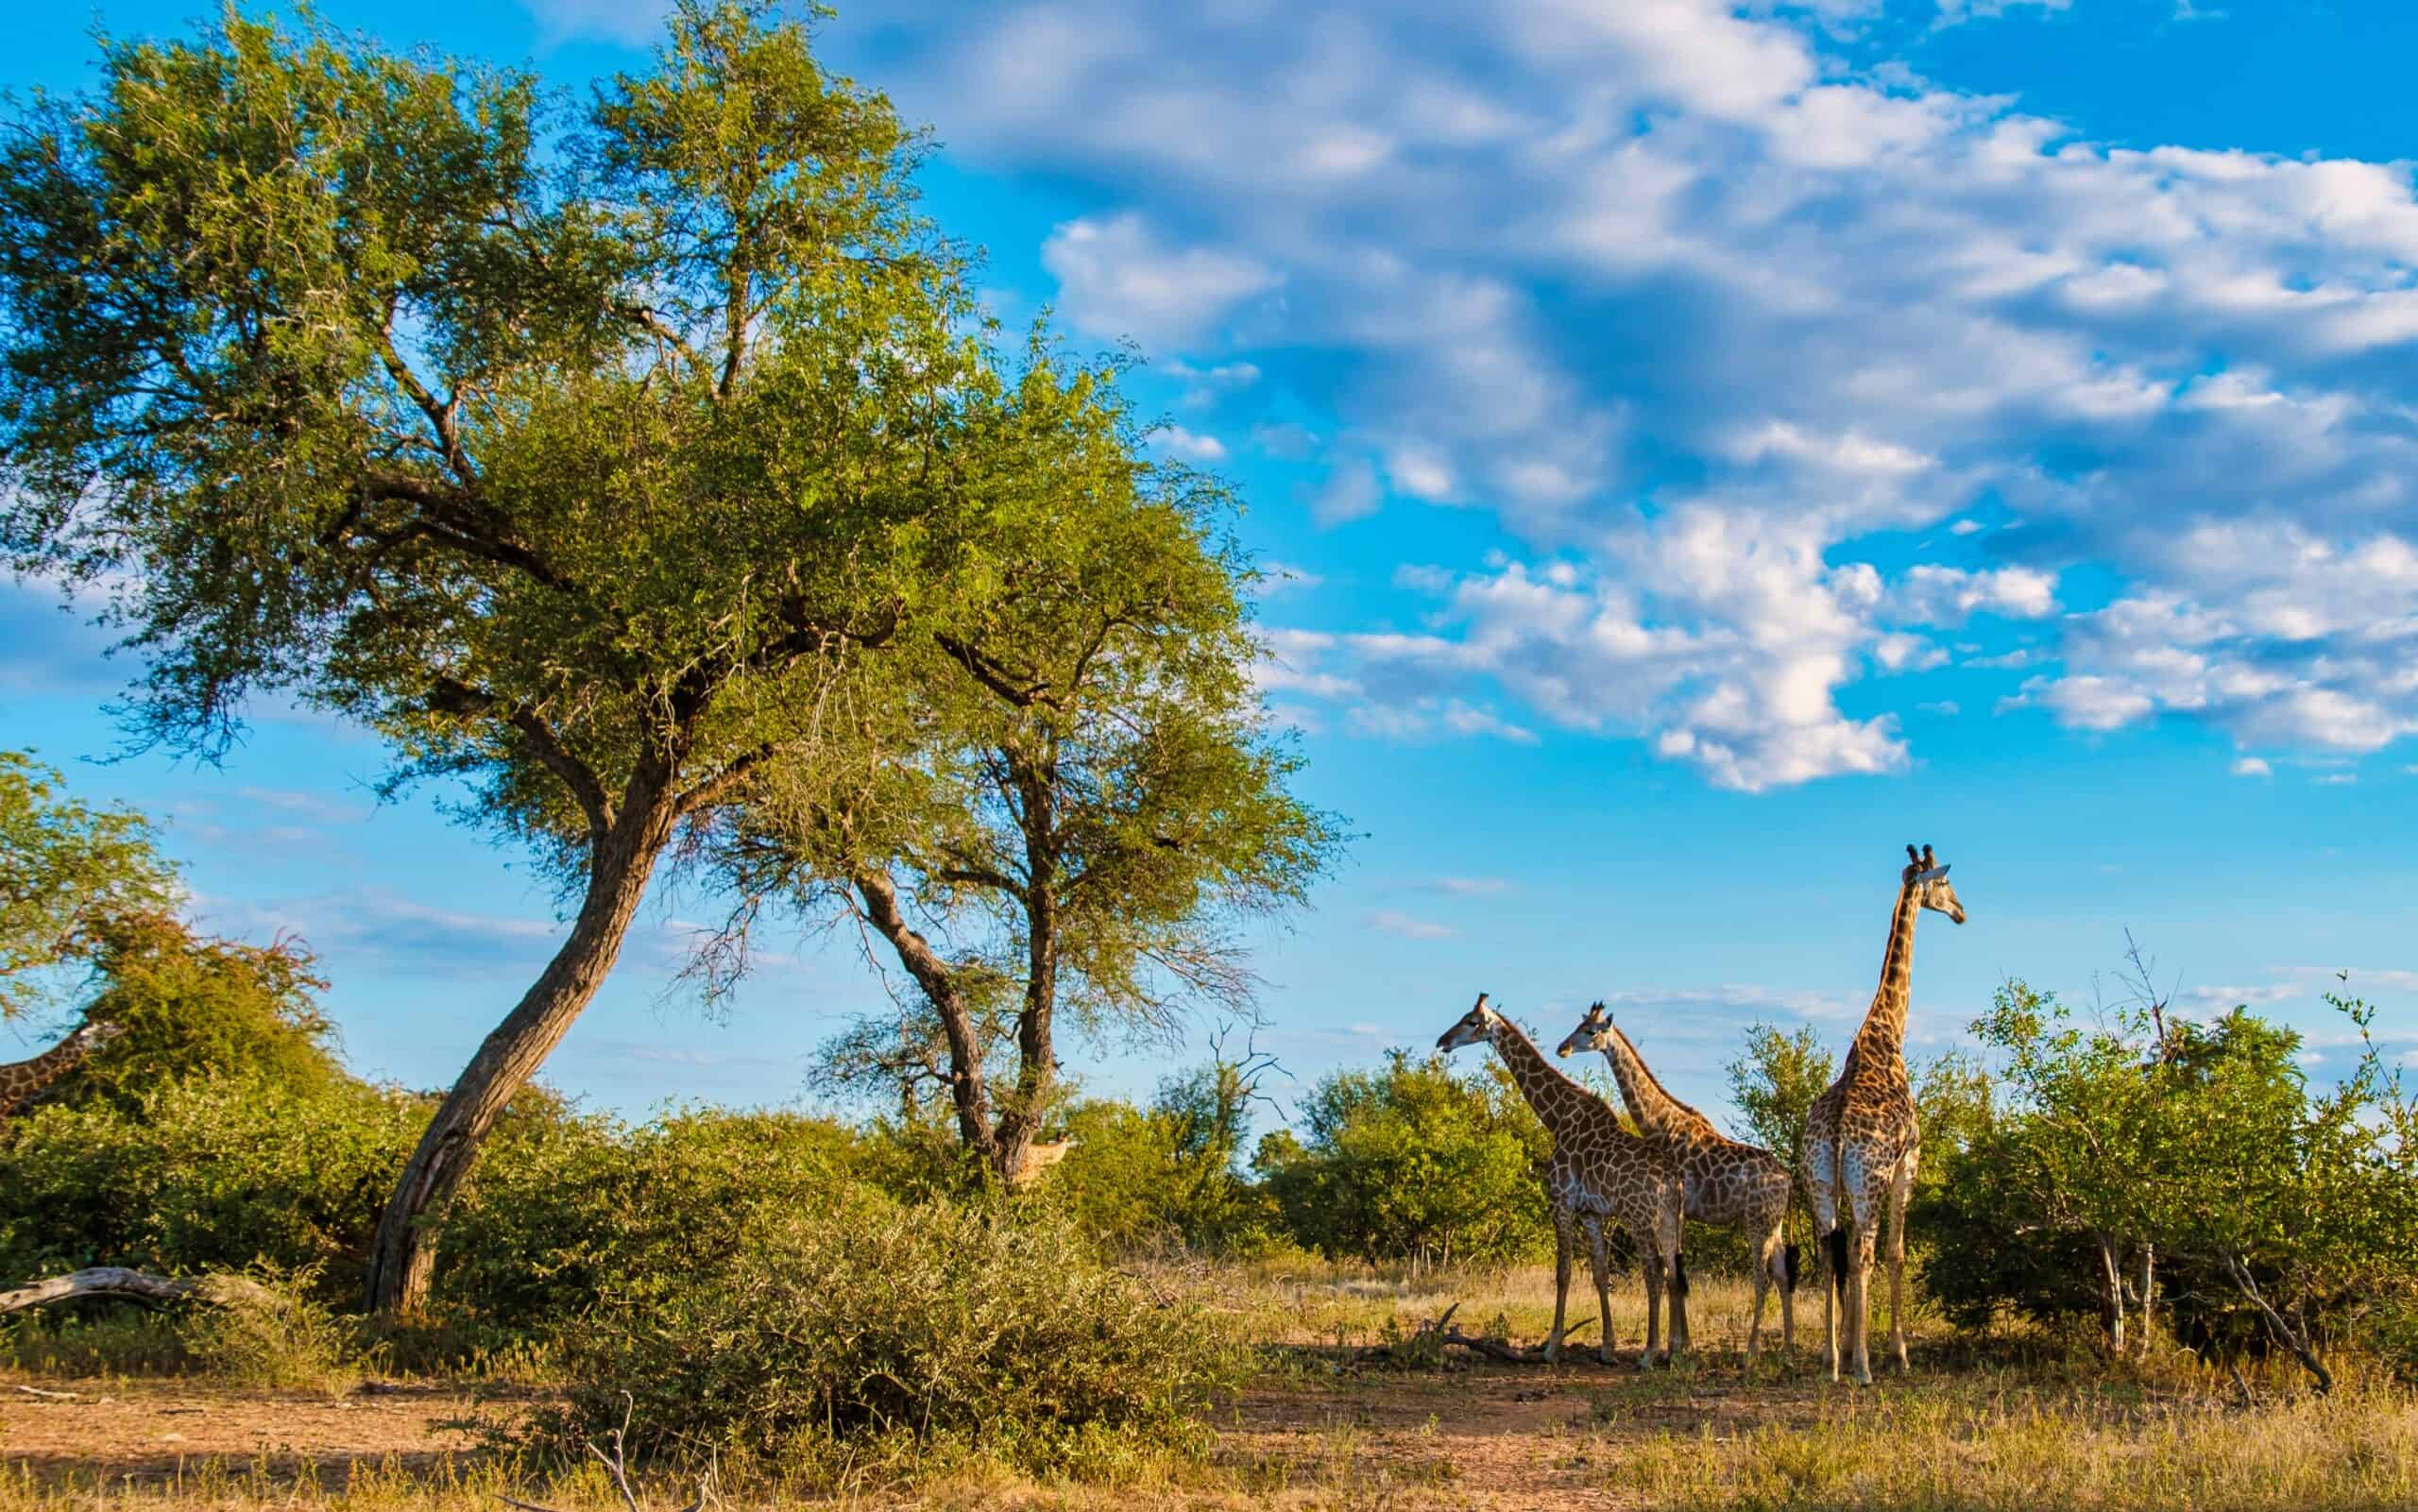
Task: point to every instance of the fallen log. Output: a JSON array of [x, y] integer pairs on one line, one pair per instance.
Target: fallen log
[[125, 1285], [1426, 1344]]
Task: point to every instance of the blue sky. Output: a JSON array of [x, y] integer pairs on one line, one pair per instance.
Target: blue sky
[[1702, 447]]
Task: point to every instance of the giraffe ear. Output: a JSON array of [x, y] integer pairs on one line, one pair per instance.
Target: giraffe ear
[[1932, 875]]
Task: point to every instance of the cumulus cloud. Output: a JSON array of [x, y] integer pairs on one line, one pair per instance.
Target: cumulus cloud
[[1118, 277], [1705, 314]]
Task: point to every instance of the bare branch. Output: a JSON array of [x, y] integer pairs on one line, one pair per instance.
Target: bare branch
[[452, 696]]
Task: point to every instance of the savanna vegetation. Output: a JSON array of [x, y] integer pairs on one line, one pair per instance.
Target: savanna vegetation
[[640, 471]]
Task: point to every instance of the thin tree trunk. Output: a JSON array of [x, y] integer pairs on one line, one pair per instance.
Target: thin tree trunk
[[939, 983], [1036, 1053], [2111, 1293], [403, 1255], [2145, 1306], [2291, 1336]]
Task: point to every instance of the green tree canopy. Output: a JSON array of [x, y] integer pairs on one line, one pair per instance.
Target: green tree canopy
[[1074, 801], [578, 453]]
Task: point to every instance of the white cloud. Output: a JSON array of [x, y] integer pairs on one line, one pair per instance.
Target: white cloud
[[2252, 767], [1119, 278], [1688, 300], [1402, 926], [1190, 445]]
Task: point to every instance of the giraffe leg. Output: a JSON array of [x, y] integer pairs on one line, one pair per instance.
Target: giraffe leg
[[1822, 1196], [1763, 1285], [1650, 1260], [1672, 1223], [1901, 1188], [1782, 1263], [1562, 1241], [1867, 1200], [1601, 1263]]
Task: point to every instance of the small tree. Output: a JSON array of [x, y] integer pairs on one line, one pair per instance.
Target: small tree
[[68, 872], [578, 457], [1412, 1162], [1773, 1083], [1071, 808]]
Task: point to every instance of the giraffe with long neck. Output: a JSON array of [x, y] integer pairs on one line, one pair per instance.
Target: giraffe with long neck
[[22, 1081], [1862, 1137], [1722, 1180], [1600, 1172]]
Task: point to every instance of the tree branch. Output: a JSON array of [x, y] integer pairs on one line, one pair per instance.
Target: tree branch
[[1021, 689], [451, 696]]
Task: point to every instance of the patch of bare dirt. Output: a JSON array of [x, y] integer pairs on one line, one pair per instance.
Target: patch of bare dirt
[[150, 1428]]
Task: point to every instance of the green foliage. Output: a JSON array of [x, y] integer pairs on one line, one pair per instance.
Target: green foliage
[[568, 1207], [209, 1173], [1411, 1161], [187, 1005], [863, 1328], [1147, 1178], [67, 871], [1773, 1082], [2197, 1144]]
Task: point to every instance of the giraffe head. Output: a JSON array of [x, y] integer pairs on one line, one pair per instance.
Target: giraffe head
[[1594, 1031], [94, 1034], [1472, 1028], [1929, 878]]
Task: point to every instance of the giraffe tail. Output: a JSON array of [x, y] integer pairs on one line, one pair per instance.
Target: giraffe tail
[[1788, 1266], [1839, 1260], [1678, 1274]]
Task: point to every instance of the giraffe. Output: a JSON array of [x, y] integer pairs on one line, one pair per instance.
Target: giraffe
[[22, 1081], [1599, 1172], [1722, 1180], [1037, 1159], [1861, 1140]]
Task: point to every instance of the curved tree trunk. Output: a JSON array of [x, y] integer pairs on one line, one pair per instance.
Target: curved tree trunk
[[939, 985], [402, 1255]]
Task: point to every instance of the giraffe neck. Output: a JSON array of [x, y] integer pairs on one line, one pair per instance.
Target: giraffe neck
[[25, 1080], [1553, 1096], [1658, 1114], [1885, 1025]]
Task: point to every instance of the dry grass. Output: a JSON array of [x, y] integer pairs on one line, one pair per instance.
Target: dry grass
[[2001, 1427]]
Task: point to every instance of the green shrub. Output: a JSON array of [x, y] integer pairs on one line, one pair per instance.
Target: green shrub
[[1161, 1177], [859, 1329], [209, 1173], [1413, 1162], [565, 1208]]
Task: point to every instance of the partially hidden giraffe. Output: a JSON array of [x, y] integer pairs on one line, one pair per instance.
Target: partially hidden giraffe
[[1722, 1180], [1862, 1139], [1600, 1172], [22, 1081], [1037, 1160]]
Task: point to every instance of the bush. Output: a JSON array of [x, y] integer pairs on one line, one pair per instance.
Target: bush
[[860, 1328], [186, 1005], [212, 1173], [1142, 1178], [1412, 1162], [566, 1208]]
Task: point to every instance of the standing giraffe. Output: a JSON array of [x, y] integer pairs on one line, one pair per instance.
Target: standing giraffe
[[22, 1081], [1599, 1172], [1722, 1180], [1862, 1139]]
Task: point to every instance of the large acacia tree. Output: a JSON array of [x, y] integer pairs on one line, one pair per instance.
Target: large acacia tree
[[1074, 805], [579, 452]]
